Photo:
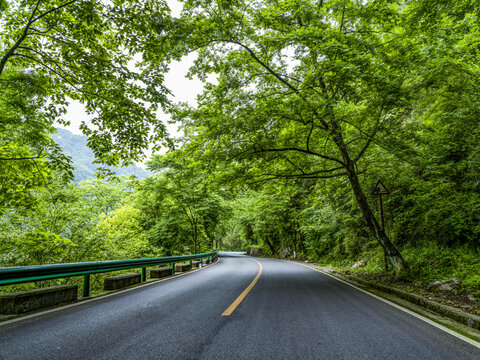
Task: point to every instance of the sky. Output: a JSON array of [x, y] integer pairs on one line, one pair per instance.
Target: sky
[[183, 89]]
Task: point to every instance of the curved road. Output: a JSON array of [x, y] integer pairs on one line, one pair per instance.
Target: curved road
[[292, 312]]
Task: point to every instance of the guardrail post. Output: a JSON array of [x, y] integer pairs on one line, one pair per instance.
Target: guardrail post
[[22, 274], [86, 285], [190, 262], [201, 263]]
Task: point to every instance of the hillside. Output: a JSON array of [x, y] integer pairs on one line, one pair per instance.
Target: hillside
[[76, 147]]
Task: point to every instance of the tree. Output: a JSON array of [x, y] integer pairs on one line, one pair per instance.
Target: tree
[[29, 158], [302, 87], [181, 193], [123, 234], [63, 226], [85, 50]]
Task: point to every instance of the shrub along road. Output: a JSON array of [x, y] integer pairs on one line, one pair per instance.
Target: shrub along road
[[291, 312]]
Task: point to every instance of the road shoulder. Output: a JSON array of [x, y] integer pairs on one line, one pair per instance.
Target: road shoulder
[[8, 319], [444, 316]]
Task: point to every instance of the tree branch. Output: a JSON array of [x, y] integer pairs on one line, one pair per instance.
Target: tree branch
[[309, 175], [279, 176], [371, 137], [49, 68], [53, 10], [25, 33], [20, 158], [265, 66], [309, 135], [294, 165], [10, 52], [309, 152]]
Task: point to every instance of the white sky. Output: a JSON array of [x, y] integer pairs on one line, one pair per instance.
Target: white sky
[[183, 89]]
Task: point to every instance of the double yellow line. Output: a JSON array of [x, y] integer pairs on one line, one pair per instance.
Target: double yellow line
[[237, 302]]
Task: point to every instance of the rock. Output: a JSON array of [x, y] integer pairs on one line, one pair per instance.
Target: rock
[[358, 264], [445, 285], [467, 308], [472, 298], [285, 253], [253, 251]]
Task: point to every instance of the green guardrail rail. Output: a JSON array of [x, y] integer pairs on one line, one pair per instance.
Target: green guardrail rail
[[238, 250], [24, 274]]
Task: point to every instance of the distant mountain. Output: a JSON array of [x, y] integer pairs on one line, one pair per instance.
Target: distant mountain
[[76, 147]]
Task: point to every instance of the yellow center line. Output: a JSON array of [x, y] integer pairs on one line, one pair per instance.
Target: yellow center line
[[237, 302]]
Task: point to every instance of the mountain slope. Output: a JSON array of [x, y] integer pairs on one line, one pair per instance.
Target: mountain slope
[[76, 147]]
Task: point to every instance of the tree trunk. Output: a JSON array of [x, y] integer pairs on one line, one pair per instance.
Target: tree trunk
[[270, 245], [299, 238], [195, 236], [295, 239], [393, 254], [396, 259]]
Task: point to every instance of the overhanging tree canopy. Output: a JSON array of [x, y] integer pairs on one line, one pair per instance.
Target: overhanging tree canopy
[[85, 50], [304, 87]]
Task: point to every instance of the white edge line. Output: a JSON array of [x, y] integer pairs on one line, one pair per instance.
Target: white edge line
[[81, 302], [427, 320]]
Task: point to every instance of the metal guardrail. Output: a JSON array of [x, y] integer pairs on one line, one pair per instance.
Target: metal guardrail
[[24, 274], [238, 250]]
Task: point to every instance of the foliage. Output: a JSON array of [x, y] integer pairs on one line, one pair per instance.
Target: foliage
[[29, 159], [177, 204], [85, 50], [83, 158], [123, 234], [307, 90], [54, 51], [62, 227], [302, 89], [312, 104]]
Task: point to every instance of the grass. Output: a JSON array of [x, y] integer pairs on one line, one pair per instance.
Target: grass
[[426, 264]]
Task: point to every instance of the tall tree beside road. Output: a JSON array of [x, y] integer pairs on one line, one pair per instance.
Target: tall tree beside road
[[303, 87], [178, 201], [83, 50]]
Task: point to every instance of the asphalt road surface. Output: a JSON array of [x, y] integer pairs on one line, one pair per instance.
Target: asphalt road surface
[[292, 312]]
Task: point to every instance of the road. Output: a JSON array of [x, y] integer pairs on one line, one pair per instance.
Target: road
[[292, 312]]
